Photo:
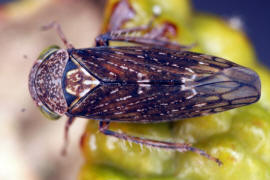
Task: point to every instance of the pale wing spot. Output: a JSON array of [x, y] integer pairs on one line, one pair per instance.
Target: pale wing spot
[[144, 81], [193, 77], [145, 85], [84, 92], [123, 67], [93, 64], [155, 59], [113, 74], [101, 105], [194, 93], [220, 60], [189, 70], [89, 82], [101, 59], [130, 104], [123, 98], [140, 91], [114, 91], [92, 102], [120, 53], [196, 56], [151, 98], [164, 104], [140, 75], [111, 63], [212, 98], [112, 56], [185, 87], [220, 109], [200, 105], [161, 53], [139, 56], [184, 79]]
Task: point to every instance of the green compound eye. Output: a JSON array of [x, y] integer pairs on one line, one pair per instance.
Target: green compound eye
[[48, 51], [48, 113]]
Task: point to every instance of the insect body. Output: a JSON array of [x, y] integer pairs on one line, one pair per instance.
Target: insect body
[[139, 84]]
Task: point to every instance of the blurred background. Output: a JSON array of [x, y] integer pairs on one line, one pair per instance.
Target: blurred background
[[30, 145], [253, 17]]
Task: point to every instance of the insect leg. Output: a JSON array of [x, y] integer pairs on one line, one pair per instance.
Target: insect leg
[[150, 39], [103, 39], [122, 13], [59, 32], [181, 147], [66, 142]]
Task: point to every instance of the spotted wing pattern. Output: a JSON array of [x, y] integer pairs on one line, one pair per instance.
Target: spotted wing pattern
[[139, 64], [145, 84]]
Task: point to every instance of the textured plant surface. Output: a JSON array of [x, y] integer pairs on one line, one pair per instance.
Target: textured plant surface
[[239, 138]]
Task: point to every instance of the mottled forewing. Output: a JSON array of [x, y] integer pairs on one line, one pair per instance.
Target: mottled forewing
[[135, 103], [145, 84], [145, 64], [159, 103]]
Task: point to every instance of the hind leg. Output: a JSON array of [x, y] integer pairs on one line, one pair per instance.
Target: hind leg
[[181, 147]]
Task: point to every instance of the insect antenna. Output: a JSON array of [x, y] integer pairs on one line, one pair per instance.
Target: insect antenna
[[59, 31]]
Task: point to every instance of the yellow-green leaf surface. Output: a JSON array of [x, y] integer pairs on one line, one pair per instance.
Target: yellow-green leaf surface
[[217, 37], [239, 138]]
